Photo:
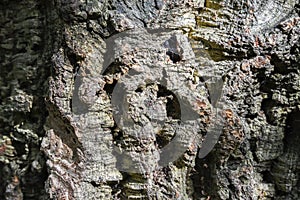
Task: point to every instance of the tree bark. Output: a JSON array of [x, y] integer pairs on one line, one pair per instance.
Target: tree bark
[[158, 99]]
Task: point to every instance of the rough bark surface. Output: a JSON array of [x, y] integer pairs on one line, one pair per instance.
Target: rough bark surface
[[222, 70]]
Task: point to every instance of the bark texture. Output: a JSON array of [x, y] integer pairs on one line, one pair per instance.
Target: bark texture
[[195, 71]]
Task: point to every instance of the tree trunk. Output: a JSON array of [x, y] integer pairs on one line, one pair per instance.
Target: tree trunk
[[158, 99]]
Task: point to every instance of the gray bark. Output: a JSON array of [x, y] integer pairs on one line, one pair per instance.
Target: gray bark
[[158, 99]]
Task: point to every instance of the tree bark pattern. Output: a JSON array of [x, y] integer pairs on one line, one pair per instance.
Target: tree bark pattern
[[234, 62]]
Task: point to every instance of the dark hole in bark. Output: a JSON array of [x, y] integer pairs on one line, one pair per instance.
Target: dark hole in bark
[[94, 184], [291, 137], [267, 176], [109, 88], [19, 147], [174, 51], [36, 47], [113, 68], [139, 90], [173, 106], [174, 56], [251, 116], [279, 65], [233, 163], [267, 105]]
